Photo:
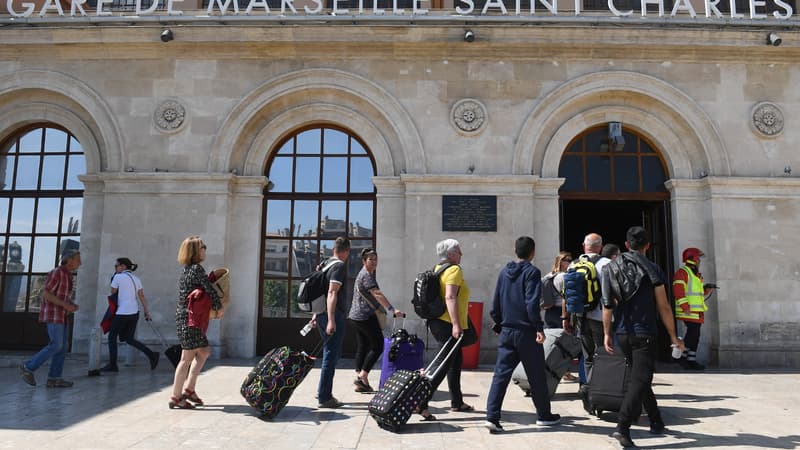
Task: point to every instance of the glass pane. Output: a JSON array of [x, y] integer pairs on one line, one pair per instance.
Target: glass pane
[[306, 218], [75, 146], [53, 172], [333, 223], [77, 166], [14, 293], [31, 142], [334, 175], [325, 250], [70, 243], [361, 173], [70, 222], [274, 298], [595, 139], [361, 219], [653, 176], [55, 141], [630, 143], [22, 215], [44, 254], [47, 215], [27, 172], [295, 310], [576, 146], [3, 215], [305, 257], [354, 264], [280, 174], [7, 172], [37, 284], [276, 258], [278, 214], [626, 174], [571, 168], [307, 175], [335, 142], [287, 147], [19, 251], [309, 142], [356, 148], [598, 174]]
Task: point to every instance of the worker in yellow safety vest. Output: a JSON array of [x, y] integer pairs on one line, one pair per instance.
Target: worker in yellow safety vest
[[690, 303]]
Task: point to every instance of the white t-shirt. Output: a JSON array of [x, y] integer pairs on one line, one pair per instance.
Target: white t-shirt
[[127, 285], [597, 313]]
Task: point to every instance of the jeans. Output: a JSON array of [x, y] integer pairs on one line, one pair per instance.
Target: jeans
[[442, 331], [515, 346], [55, 349], [592, 335], [125, 327], [640, 351], [331, 353], [369, 343]]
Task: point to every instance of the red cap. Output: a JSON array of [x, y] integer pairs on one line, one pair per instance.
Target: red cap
[[692, 254]]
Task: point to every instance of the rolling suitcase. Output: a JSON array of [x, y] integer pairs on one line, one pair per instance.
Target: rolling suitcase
[[172, 352], [270, 384], [559, 350], [608, 382], [397, 400], [400, 351]]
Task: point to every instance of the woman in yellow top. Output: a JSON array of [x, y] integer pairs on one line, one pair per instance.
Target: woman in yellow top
[[453, 289]]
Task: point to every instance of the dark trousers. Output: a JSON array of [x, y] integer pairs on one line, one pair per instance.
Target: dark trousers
[[640, 351], [592, 335], [692, 336], [124, 327], [451, 368], [369, 343], [515, 346]]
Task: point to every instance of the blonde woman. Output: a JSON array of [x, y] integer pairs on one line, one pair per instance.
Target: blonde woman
[[552, 315], [194, 344]]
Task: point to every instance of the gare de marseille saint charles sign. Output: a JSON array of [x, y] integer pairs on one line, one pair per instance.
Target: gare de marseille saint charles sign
[[782, 10]]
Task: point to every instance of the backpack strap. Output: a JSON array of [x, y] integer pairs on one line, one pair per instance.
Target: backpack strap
[[330, 263], [442, 268]]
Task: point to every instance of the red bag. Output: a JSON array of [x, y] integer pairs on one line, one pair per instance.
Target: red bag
[[199, 309], [111, 311]]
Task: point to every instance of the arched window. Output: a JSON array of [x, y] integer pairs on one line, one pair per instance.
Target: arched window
[[320, 188], [41, 200], [595, 168]]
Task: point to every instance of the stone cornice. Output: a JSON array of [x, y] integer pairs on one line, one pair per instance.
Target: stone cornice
[[753, 187], [438, 184], [137, 183]]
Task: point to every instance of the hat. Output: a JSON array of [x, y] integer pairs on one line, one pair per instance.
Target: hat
[[68, 254], [692, 254]]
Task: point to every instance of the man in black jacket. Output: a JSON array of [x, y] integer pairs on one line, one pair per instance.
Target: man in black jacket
[[515, 310], [634, 323]]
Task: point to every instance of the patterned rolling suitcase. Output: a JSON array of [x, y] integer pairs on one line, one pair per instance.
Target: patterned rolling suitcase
[[559, 350], [396, 401], [608, 382], [401, 351], [272, 381]]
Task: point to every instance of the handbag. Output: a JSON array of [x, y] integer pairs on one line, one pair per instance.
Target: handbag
[[380, 313], [199, 306], [470, 335]]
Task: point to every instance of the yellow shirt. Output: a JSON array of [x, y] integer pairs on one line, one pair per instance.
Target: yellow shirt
[[454, 276]]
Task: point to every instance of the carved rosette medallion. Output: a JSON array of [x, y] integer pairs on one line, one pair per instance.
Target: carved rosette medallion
[[170, 116], [468, 116], [767, 119]]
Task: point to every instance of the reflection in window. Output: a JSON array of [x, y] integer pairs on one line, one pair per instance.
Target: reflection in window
[[591, 165], [40, 210], [321, 189]]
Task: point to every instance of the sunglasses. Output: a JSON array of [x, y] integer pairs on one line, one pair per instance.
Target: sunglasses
[[203, 246]]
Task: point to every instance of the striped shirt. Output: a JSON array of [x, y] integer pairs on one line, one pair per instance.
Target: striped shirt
[[58, 283]]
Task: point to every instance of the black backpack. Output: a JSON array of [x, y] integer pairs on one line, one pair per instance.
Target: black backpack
[[428, 302], [550, 295], [312, 294]]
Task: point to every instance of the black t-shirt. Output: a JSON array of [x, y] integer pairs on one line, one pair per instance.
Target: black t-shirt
[[338, 272]]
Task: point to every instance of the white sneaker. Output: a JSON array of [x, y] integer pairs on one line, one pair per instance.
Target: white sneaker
[[552, 420], [493, 427]]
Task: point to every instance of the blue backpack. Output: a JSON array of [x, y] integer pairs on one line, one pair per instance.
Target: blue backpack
[[581, 286]]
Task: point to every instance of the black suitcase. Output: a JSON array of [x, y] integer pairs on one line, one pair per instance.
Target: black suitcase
[[403, 392], [560, 349], [172, 352], [608, 382]]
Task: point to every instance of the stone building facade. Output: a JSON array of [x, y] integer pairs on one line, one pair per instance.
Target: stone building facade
[[178, 138]]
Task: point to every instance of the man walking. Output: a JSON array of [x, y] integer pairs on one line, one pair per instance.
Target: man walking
[[634, 323], [516, 310], [56, 303]]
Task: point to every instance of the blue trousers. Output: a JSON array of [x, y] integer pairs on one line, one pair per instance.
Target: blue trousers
[[55, 349], [331, 353], [515, 346]]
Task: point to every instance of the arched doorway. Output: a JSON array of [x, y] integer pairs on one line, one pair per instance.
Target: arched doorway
[[41, 203], [320, 188], [609, 188]]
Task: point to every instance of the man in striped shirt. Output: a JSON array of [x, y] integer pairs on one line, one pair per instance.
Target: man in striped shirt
[[56, 304]]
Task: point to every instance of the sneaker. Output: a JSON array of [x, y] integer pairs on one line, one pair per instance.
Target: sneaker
[[26, 374], [493, 426], [333, 403], [553, 419], [623, 439], [153, 360], [362, 387], [109, 368], [58, 383]]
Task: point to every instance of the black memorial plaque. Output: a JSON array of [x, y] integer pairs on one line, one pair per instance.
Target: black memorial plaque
[[469, 213]]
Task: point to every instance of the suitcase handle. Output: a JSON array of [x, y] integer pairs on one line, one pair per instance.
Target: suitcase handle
[[158, 334], [440, 359]]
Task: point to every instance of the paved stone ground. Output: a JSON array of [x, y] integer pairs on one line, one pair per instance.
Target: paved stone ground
[[129, 410]]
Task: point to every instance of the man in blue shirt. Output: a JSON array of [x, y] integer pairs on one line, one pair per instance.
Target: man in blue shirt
[[516, 311], [635, 324]]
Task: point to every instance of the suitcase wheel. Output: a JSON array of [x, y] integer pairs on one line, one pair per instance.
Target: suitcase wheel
[[598, 412]]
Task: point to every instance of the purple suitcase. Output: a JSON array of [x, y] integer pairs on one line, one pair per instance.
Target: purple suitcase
[[409, 357]]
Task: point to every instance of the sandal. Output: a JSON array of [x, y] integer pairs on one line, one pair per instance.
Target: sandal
[[179, 403], [463, 408], [427, 416], [191, 395]]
